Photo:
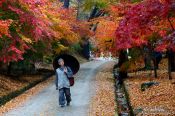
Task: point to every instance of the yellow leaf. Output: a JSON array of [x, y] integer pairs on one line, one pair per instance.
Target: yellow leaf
[[26, 39]]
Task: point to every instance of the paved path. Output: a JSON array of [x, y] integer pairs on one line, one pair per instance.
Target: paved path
[[45, 103]]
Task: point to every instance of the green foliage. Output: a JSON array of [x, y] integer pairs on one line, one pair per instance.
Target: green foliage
[[12, 28], [38, 52], [135, 53], [154, 37], [134, 1], [55, 44], [8, 15], [48, 59], [89, 4], [91, 47], [76, 47], [5, 43]]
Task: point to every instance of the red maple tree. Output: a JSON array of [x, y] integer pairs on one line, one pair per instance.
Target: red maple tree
[[141, 21]]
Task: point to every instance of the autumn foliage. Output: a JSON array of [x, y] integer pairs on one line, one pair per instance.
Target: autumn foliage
[[143, 19], [124, 25], [24, 23], [106, 26]]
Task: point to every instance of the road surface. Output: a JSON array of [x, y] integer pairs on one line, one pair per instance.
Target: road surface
[[45, 103]]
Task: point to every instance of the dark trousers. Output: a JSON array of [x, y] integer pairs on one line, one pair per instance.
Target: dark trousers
[[64, 95]]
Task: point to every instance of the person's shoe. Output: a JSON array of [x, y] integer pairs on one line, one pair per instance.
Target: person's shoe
[[62, 106], [68, 104]]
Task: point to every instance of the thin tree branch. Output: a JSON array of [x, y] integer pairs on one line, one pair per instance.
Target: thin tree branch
[[171, 24]]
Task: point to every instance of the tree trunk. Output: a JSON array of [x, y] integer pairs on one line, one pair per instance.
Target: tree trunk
[[155, 67], [122, 59], [86, 49], [66, 3], [9, 68], [78, 9], [147, 57], [93, 12], [171, 63]]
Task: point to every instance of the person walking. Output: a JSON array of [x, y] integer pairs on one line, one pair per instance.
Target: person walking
[[63, 73]]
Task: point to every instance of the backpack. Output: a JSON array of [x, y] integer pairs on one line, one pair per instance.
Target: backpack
[[71, 81]]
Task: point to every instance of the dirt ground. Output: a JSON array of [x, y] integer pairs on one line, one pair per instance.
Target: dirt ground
[[103, 102], [10, 84], [156, 100]]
